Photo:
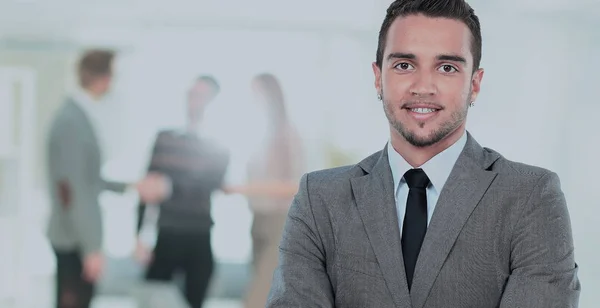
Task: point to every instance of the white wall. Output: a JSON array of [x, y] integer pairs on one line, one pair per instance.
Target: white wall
[[538, 102], [580, 148]]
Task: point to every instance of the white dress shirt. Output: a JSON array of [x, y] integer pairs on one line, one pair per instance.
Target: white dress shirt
[[438, 170]]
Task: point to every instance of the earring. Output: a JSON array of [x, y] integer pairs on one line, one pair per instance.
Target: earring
[[379, 97], [471, 104]]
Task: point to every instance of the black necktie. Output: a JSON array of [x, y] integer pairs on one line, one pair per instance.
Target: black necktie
[[415, 220]]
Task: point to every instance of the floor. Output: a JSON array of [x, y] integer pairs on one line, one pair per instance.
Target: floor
[[119, 302], [27, 266], [41, 296]]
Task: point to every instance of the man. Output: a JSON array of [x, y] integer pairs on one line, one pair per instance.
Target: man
[[434, 219], [74, 163], [196, 168]]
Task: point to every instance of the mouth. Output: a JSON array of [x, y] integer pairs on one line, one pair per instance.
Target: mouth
[[423, 113], [423, 110]]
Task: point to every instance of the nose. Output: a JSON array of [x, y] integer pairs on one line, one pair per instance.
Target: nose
[[423, 84]]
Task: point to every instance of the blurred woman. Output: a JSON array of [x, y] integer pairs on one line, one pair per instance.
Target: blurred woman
[[273, 177]]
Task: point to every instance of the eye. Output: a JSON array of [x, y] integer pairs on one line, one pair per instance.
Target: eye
[[447, 68], [404, 66]]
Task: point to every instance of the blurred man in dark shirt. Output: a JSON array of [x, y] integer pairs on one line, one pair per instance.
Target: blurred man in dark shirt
[[195, 168]]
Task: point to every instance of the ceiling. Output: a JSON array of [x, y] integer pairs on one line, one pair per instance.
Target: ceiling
[[121, 20]]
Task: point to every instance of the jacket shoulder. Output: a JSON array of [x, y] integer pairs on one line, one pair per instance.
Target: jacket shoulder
[[332, 181], [507, 167]]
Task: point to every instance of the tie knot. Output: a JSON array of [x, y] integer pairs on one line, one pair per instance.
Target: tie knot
[[416, 178]]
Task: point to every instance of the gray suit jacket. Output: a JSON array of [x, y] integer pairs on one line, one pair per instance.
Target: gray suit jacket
[[500, 236], [74, 180]]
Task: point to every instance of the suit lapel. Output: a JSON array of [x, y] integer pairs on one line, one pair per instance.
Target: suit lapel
[[466, 185], [374, 195]]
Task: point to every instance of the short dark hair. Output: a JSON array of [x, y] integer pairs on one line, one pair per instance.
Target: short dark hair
[[210, 80], [94, 64], [452, 9]]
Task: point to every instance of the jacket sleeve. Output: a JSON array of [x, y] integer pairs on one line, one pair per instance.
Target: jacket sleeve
[[301, 278], [117, 187], [543, 268]]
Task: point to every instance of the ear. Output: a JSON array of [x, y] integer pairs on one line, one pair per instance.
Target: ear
[[476, 83], [377, 73]]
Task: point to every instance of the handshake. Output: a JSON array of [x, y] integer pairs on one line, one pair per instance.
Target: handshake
[[154, 188]]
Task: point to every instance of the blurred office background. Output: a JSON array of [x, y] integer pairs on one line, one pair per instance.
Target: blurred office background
[[539, 104]]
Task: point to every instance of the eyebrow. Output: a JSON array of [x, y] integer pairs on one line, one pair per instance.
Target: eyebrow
[[401, 55], [453, 58]]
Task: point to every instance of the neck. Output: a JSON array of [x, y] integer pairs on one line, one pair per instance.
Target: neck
[[191, 128], [93, 93], [193, 125], [194, 120], [276, 128], [417, 156]]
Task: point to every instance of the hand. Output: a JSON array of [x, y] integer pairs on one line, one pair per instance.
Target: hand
[[142, 254], [93, 265], [154, 188], [228, 190]]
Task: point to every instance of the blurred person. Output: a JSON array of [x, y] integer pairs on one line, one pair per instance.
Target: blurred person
[[273, 176], [434, 219], [195, 167], [74, 169]]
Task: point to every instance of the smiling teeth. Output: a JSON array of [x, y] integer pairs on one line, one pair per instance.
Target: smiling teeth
[[423, 110]]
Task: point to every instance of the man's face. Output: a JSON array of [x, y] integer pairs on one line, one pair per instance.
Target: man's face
[[198, 97], [426, 78], [104, 84]]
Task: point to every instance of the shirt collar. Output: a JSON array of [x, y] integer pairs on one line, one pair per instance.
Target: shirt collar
[[84, 99], [438, 168]]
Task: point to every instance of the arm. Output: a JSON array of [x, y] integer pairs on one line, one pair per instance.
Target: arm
[[301, 278], [141, 209], [117, 187], [277, 189], [543, 269], [282, 190], [80, 186]]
